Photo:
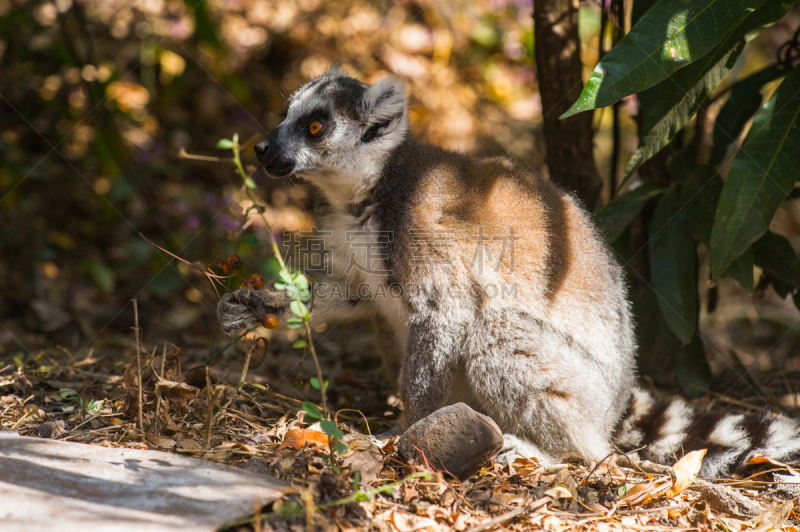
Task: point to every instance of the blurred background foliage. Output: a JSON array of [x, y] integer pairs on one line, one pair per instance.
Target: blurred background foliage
[[100, 99]]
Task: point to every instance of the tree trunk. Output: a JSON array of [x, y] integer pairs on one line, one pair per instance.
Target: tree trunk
[[558, 64]]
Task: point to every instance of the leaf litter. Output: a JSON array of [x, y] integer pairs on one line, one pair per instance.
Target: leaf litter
[[370, 488]]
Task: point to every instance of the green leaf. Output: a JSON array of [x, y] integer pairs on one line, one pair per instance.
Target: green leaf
[[298, 308], [286, 277], [742, 270], [700, 196], [294, 323], [674, 101], [92, 407], [691, 368], [313, 413], [742, 104], [669, 36], [299, 344], [102, 276], [329, 427], [66, 393], [673, 258], [315, 383], [340, 447], [302, 284], [615, 217], [776, 256], [224, 144], [763, 174], [250, 239]]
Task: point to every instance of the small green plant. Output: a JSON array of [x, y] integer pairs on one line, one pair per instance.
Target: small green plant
[[298, 287], [295, 284], [91, 406], [328, 426]]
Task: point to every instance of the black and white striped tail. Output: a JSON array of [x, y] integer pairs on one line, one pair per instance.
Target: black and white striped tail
[[668, 428]]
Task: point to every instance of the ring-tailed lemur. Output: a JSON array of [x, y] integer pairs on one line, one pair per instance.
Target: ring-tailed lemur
[[489, 286]]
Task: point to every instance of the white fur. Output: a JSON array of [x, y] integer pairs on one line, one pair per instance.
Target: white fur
[[728, 434], [348, 169], [783, 438], [628, 436], [678, 417]]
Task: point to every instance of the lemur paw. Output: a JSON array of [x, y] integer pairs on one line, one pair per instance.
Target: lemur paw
[[245, 307]]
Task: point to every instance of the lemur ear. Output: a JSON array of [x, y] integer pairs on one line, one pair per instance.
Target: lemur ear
[[383, 107]]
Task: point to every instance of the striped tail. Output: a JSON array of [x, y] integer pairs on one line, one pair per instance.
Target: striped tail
[[668, 428]]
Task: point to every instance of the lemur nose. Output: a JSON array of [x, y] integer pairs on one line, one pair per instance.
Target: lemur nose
[[261, 149]]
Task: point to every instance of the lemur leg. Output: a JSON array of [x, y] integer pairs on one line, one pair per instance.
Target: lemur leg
[[430, 362], [390, 349], [539, 386]]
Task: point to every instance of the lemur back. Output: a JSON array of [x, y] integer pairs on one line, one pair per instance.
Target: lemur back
[[491, 286]]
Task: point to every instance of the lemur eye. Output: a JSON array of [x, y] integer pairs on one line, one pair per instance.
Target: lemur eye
[[315, 127]]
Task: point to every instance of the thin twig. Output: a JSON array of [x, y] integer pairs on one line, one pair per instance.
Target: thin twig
[[247, 359], [308, 501], [256, 513], [183, 154], [646, 466], [137, 333], [725, 398], [209, 275], [158, 389], [207, 442]]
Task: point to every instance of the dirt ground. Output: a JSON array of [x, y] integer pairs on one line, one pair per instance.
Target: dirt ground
[[90, 395]]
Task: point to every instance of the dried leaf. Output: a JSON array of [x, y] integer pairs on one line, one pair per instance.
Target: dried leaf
[[761, 459], [775, 516], [646, 491], [179, 387], [369, 462], [298, 438], [160, 441], [188, 443], [405, 522], [686, 470], [559, 491]]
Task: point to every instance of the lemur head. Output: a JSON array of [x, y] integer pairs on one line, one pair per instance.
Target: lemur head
[[337, 132]]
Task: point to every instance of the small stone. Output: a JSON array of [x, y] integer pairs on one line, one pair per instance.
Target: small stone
[[724, 500], [454, 439]]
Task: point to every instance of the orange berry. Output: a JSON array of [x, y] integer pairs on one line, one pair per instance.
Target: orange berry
[[270, 321], [234, 262], [256, 281]]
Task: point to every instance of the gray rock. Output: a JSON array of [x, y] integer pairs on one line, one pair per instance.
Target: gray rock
[[727, 501], [455, 439], [79, 487]]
